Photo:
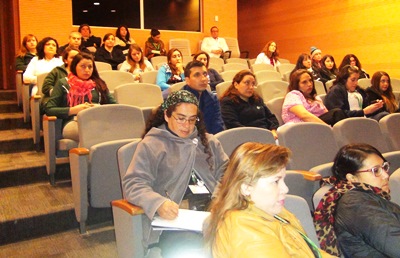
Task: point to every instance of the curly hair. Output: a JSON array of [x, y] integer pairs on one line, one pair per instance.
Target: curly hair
[[157, 118], [269, 54], [248, 163], [40, 47]]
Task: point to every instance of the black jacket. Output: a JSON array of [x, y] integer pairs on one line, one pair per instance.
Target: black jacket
[[337, 97], [252, 113], [367, 225]]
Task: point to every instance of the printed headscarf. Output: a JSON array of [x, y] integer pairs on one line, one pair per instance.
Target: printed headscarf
[[180, 96]]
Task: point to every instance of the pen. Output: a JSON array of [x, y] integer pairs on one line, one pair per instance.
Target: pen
[[167, 194]]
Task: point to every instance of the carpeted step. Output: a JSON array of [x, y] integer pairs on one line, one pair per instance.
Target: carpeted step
[[40, 209]]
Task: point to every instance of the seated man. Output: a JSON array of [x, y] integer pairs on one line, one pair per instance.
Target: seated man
[[175, 157], [89, 41], [214, 45], [196, 78], [74, 42]]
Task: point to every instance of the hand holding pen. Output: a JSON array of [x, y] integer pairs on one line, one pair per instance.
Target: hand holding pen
[[169, 209]]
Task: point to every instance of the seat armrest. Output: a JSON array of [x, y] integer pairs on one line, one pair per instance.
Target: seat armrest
[[79, 151], [309, 175], [128, 207], [35, 117]]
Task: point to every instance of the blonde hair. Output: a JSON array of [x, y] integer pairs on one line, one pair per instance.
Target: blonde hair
[[249, 162]]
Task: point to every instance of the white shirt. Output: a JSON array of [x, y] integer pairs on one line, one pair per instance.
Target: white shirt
[[355, 100], [209, 44], [36, 67], [262, 58], [126, 67]]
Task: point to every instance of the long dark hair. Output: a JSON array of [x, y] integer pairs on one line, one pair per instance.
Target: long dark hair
[[388, 97], [344, 73], [346, 61], [118, 33], [334, 69], [295, 80], [350, 158], [233, 93], [40, 47], [169, 56], [157, 118], [101, 85]]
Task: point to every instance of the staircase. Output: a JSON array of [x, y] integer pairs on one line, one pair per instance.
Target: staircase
[[29, 206]]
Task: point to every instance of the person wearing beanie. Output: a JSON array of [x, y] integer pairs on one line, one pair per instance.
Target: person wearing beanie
[[316, 56], [154, 46]]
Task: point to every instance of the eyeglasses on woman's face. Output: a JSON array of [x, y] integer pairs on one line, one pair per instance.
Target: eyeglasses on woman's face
[[182, 120], [377, 170]]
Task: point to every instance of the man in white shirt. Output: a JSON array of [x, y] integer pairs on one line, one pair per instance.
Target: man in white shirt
[[214, 45]]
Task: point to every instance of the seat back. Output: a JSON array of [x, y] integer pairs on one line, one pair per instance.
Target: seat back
[[364, 83], [233, 46], [311, 144], [157, 61], [102, 66], [220, 88], [360, 130], [119, 122], [319, 194], [394, 184], [265, 75], [116, 78], [275, 106], [299, 207], [39, 82], [216, 63], [139, 94], [284, 61], [149, 77], [237, 60], [390, 128], [329, 84], [319, 87], [272, 89], [177, 86], [234, 67], [262, 67], [395, 84], [251, 61], [232, 138], [228, 75], [285, 67], [124, 158], [182, 44]]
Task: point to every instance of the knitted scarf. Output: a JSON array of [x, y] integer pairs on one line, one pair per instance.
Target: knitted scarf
[[78, 90], [324, 219]]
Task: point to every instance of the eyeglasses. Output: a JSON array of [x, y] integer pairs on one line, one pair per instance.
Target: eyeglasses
[[377, 170], [182, 120]]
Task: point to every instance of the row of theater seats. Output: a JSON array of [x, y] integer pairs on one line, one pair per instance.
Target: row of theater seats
[[94, 164], [314, 147]]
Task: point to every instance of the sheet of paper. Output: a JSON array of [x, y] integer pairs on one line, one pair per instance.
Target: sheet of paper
[[186, 220]]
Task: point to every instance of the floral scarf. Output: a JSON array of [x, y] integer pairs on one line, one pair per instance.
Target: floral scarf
[[78, 90], [324, 219]]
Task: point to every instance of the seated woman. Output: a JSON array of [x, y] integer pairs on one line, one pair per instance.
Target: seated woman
[[241, 106], [46, 59], [123, 39], [328, 69], [214, 77], [135, 62], [176, 165], [316, 56], [349, 97], [108, 53], [381, 89], [58, 73], [154, 46], [248, 218], [304, 62], [172, 72], [269, 55], [356, 214], [26, 52], [352, 60], [302, 104], [82, 89]]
